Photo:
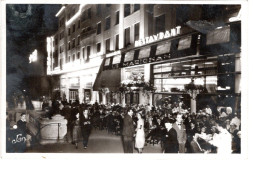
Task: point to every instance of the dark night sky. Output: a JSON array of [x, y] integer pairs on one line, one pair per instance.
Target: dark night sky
[[27, 27]]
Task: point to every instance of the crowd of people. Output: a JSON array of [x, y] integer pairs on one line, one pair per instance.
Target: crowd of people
[[170, 125]]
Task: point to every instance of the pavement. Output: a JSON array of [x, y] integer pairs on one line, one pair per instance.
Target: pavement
[[100, 141]]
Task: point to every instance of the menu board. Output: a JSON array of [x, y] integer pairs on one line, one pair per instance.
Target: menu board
[[144, 53], [107, 62], [184, 43], [117, 59], [129, 56], [163, 48], [218, 36]]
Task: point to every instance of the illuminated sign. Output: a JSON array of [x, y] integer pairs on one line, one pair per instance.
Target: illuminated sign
[[144, 61], [159, 36]]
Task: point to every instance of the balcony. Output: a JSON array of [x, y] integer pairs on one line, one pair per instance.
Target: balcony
[[86, 34]]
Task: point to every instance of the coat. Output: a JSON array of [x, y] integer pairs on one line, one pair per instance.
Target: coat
[[181, 133], [128, 127], [171, 142]]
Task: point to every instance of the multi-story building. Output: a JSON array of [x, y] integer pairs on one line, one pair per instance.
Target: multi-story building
[[98, 46]]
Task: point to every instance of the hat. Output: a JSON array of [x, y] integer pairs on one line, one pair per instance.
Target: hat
[[167, 120]]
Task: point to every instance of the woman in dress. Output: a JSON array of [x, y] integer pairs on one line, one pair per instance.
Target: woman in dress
[[76, 130], [140, 136]]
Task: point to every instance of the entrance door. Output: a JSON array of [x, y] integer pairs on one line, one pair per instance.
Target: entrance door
[[132, 98], [73, 95], [87, 95]]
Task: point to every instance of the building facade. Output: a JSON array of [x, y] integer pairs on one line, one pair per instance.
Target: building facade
[[99, 47]]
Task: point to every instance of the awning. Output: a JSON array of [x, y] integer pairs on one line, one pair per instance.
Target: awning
[[107, 79]]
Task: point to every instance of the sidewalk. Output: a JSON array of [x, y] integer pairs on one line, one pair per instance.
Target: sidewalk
[[99, 142]]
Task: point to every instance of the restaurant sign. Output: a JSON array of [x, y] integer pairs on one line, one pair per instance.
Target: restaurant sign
[[159, 36], [146, 60]]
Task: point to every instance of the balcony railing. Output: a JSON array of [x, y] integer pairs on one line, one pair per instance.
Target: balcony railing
[[87, 34]]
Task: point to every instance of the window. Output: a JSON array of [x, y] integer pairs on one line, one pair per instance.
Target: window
[[73, 29], [98, 47], [127, 36], [108, 20], [117, 18], [137, 28], [83, 52], [61, 35], [73, 43], [136, 7], [78, 40], [62, 21], [117, 42], [56, 40], [89, 13], [99, 10], [84, 15], [183, 14], [108, 5], [127, 10], [160, 24], [68, 60], [78, 55], [68, 16], [69, 46], [79, 24], [98, 28], [88, 51], [107, 45], [69, 31], [73, 57]]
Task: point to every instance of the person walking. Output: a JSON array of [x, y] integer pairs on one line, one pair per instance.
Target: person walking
[[181, 132], [86, 126], [76, 130], [140, 136], [171, 142], [128, 132]]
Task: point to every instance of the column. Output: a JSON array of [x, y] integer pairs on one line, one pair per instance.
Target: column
[[193, 105]]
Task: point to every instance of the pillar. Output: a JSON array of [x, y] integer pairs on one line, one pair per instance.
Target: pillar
[[193, 105], [104, 100]]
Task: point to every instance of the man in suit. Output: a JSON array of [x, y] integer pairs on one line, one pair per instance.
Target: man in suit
[[181, 132], [171, 142], [86, 126], [128, 131]]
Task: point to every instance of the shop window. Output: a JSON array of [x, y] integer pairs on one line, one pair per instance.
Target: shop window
[[108, 21], [117, 18], [98, 28], [108, 45], [137, 29], [127, 37], [160, 24], [132, 98], [127, 10], [73, 95]]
